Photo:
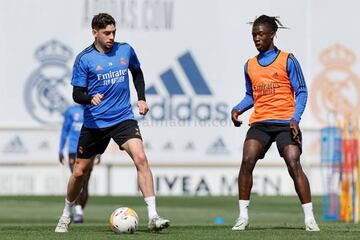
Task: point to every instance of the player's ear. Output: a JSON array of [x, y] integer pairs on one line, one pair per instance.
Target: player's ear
[[272, 35], [94, 32]]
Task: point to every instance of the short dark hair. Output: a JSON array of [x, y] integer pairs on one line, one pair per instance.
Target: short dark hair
[[272, 22], [101, 20]]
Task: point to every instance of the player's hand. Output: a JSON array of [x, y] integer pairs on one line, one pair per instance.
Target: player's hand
[[98, 159], [143, 107], [72, 161], [235, 118], [97, 99], [295, 131], [61, 158]]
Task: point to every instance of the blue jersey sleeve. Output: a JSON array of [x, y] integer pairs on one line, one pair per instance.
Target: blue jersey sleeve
[[65, 131], [79, 77], [248, 101], [298, 84], [133, 60]]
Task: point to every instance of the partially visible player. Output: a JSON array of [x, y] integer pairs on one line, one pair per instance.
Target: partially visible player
[[70, 132], [101, 82], [275, 87]]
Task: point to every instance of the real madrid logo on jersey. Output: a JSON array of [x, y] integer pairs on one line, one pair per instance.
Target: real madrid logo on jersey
[[47, 87]]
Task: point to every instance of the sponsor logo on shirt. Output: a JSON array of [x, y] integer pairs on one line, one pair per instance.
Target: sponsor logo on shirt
[[112, 77], [266, 88]]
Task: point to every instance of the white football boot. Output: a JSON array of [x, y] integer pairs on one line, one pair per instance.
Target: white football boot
[[63, 224], [241, 224], [311, 225], [158, 223]]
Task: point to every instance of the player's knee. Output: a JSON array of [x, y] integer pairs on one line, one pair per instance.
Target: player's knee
[[79, 174], [291, 154], [248, 158], [248, 162], [141, 161], [294, 168]]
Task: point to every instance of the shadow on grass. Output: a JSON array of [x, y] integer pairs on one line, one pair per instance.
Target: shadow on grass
[[108, 231], [275, 228]]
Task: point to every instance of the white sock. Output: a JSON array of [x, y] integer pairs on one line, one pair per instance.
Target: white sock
[[68, 208], [243, 206], [151, 207], [308, 211], [78, 210]]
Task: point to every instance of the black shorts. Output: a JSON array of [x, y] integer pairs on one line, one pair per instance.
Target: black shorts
[[94, 141], [267, 133]]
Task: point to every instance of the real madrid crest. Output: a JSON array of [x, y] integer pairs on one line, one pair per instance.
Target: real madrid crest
[[336, 90], [45, 90]]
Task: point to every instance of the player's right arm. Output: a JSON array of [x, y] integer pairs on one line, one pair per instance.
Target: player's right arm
[[81, 96], [246, 103], [79, 81], [64, 134]]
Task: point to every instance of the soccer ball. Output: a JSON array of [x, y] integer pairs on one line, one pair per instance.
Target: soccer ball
[[124, 220]]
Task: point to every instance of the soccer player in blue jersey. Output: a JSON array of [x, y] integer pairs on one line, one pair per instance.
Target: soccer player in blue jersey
[[276, 88], [70, 132], [101, 83]]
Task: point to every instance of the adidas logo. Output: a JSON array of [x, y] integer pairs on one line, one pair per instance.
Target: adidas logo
[[191, 71], [190, 146], [15, 145], [44, 145], [199, 105], [217, 147], [275, 75], [168, 146]]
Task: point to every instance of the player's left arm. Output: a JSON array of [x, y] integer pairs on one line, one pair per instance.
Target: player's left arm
[[298, 84], [139, 82], [64, 134]]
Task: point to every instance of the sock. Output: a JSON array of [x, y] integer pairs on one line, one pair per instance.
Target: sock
[[151, 207], [243, 206], [68, 208], [308, 211], [78, 210]]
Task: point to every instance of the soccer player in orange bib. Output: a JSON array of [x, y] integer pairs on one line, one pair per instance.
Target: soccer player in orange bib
[[276, 88]]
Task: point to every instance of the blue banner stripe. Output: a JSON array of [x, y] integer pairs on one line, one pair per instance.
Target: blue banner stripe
[[171, 83], [151, 91], [193, 74]]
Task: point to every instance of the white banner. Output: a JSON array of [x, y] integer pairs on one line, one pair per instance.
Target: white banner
[[121, 180]]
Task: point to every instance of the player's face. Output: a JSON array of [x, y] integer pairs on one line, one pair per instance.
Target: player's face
[[263, 37], [105, 37]]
